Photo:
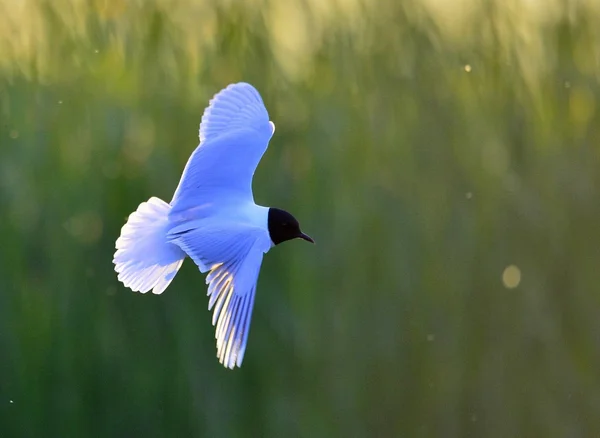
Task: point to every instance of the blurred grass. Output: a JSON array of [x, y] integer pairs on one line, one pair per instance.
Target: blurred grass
[[426, 145]]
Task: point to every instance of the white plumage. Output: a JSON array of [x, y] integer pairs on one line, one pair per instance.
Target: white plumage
[[212, 218]]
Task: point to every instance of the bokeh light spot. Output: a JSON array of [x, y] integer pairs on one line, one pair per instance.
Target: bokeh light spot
[[511, 277]]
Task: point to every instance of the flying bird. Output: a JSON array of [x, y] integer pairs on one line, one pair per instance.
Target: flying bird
[[213, 220]]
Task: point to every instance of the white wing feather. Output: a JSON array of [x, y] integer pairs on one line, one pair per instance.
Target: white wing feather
[[239, 106], [234, 134], [233, 254]]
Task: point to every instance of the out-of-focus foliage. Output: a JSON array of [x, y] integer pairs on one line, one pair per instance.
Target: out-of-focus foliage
[[444, 154]]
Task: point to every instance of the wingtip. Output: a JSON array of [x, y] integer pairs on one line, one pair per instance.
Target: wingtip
[[237, 105]]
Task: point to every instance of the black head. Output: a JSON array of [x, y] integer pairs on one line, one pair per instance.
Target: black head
[[283, 226]]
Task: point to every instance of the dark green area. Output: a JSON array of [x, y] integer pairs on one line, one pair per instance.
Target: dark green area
[[424, 159]]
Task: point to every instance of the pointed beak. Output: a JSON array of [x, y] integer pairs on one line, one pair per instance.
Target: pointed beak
[[306, 237]]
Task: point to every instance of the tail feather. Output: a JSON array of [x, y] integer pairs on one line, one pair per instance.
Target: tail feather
[[144, 258]]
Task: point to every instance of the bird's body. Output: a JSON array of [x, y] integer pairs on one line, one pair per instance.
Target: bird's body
[[212, 219]]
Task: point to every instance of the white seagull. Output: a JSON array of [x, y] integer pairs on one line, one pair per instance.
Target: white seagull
[[213, 219]]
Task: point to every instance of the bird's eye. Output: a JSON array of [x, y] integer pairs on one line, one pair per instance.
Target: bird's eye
[[285, 224]]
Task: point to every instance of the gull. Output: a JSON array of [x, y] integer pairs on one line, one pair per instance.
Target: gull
[[213, 220]]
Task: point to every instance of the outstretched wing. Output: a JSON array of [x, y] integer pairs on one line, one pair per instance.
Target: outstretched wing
[[233, 255], [234, 134]]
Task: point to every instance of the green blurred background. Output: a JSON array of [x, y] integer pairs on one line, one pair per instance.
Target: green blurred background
[[444, 154]]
